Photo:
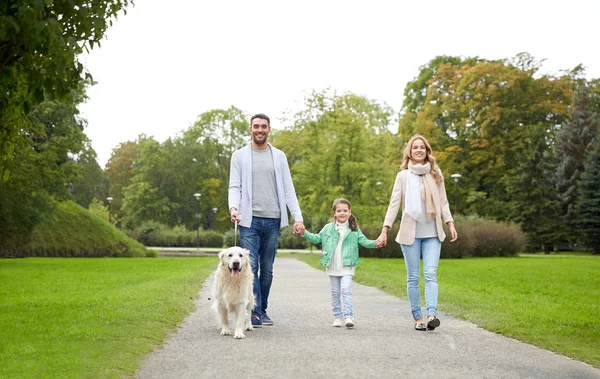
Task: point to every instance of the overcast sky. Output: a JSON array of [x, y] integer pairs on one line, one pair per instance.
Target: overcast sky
[[166, 62]]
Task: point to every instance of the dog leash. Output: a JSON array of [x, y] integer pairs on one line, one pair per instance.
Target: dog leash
[[235, 233]]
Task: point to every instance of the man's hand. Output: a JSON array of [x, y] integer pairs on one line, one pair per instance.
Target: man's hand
[[234, 215], [299, 228]]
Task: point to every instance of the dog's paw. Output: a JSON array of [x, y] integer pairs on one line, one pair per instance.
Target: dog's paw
[[249, 327], [239, 335], [225, 332]]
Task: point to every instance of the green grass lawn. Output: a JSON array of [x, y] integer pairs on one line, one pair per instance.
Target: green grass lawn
[[91, 317], [552, 302]]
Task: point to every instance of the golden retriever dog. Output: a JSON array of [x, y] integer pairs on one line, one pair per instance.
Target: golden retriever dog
[[232, 290]]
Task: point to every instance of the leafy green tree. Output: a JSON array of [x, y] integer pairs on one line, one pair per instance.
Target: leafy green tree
[[90, 182], [40, 45], [588, 202], [338, 146], [42, 169], [200, 158], [157, 182], [478, 115], [415, 92], [119, 171], [145, 198]]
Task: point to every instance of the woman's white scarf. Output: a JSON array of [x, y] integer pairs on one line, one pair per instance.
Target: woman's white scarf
[[421, 188]]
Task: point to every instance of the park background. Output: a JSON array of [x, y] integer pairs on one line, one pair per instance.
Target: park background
[[524, 142]]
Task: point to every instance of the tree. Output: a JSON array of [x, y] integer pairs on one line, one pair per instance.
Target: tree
[[90, 182], [573, 143], [150, 181], [119, 170], [40, 45], [534, 203], [339, 146], [415, 92], [146, 198], [588, 202], [203, 158], [478, 115], [42, 169]]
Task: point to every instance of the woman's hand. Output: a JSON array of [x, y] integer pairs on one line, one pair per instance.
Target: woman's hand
[[453, 233], [382, 239]]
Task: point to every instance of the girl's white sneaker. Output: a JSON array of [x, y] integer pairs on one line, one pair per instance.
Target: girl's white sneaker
[[349, 322], [337, 323]]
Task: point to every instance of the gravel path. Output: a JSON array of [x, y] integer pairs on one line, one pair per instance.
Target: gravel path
[[383, 344]]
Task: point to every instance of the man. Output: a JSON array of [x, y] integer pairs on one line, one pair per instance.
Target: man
[[260, 188]]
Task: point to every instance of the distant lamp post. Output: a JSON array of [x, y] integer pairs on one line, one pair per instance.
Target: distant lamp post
[[109, 199], [215, 212], [456, 177], [197, 196]]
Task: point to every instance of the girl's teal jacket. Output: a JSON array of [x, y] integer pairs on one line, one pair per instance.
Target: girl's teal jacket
[[328, 238]]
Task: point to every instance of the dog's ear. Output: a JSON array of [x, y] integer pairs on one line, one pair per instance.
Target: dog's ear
[[247, 254], [222, 254]]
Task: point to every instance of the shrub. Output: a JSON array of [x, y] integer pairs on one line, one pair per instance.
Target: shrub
[[145, 233], [211, 238], [155, 234], [392, 248], [287, 240], [295, 242], [477, 237], [99, 209], [228, 237]]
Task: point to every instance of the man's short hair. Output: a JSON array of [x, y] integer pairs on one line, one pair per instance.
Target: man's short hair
[[263, 116]]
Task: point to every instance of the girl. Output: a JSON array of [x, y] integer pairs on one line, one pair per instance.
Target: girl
[[419, 188], [340, 240]]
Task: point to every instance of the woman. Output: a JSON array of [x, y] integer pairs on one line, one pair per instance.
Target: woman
[[419, 188]]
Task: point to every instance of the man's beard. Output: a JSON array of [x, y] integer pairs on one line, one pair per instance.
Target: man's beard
[[259, 141]]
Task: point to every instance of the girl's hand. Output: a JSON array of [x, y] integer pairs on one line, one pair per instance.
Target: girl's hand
[[453, 233]]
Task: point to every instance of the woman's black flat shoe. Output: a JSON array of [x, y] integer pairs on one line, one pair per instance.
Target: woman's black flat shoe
[[421, 326], [433, 323]]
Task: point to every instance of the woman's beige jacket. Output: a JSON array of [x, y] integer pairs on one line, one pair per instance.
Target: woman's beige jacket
[[408, 225]]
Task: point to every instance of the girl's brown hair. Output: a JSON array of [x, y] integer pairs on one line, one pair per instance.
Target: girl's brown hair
[[435, 170], [351, 220]]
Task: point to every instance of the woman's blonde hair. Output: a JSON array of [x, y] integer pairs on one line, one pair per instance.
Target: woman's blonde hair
[[435, 170]]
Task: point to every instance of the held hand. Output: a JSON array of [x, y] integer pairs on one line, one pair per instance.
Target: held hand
[[382, 239], [453, 233], [299, 228], [235, 216]]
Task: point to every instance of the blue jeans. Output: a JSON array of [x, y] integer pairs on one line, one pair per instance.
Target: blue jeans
[[261, 238], [345, 284], [430, 249]]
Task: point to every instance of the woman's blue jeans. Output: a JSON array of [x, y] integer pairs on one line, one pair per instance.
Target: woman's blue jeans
[[261, 238], [430, 249]]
